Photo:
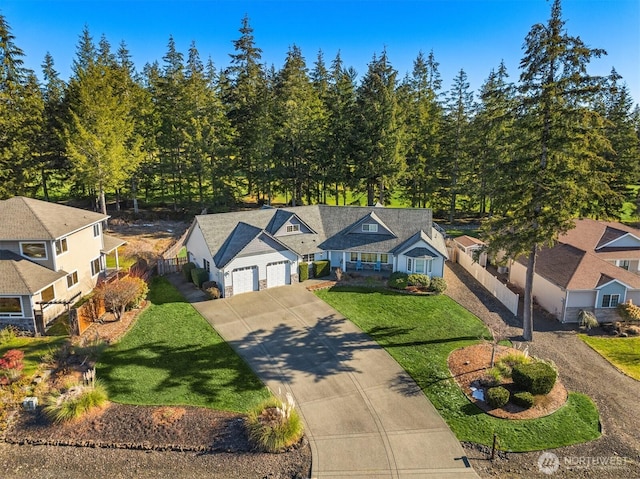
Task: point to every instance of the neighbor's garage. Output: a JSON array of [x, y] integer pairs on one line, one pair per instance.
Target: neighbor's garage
[[245, 279], [278, 274]]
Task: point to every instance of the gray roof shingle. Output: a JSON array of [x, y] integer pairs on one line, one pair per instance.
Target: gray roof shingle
[[331, 226], [30, 219], [20, 276]]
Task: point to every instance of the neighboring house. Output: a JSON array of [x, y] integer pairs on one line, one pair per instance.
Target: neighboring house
[[469, 246], [50, 255], [593, 267], [258, 249]]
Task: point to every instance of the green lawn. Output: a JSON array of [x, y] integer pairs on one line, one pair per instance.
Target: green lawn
[[420, 332], [33, 349], [623, 353], [172, 356], [124, 262]]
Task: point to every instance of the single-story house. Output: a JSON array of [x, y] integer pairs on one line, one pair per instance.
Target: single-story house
[[257, 249], [50, 256], [593, 267]]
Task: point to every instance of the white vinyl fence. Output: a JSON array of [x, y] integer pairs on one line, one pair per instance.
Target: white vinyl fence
[[490, 282]]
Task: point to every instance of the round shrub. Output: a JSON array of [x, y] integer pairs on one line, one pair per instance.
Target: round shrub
[[438, 285], [186, 270], [398, 280], [537, 378], [419, 280], [213, 292], [523, 399], [497, 396]]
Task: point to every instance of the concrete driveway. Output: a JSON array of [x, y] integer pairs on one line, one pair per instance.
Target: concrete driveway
[[364, 416]]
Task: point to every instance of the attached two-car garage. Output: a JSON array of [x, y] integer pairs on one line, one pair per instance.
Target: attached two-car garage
[[247, 279]]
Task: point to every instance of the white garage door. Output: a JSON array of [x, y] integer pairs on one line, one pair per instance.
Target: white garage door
[[278, 274], [245, 279]]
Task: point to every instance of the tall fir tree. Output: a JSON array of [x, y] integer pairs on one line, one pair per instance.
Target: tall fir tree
[[379, 160], [551, 176]]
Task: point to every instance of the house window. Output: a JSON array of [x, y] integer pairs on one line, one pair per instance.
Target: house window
[[354, 257], [610, 300], [34, 250], [623, 263], [207, 265], [10, 306], [384, 258], [95, 267], [307, 258], [47, 294], [370, 228], [72, 279], [96, 229], [293, 228], [61, 246], [419, 266], [368, 257]]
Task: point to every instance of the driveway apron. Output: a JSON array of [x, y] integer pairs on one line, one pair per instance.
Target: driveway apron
[[364, 416]]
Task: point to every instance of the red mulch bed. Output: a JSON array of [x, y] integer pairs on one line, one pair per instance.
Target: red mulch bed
[[470, 365]]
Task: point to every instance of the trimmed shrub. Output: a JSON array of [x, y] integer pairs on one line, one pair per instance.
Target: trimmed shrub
[[199, 276], [497, 396], [303, 272], [398, 280], [274, 425], [419, 280], [523, 399], [438, 285], [321, 268], [537, 378], [186, 270]]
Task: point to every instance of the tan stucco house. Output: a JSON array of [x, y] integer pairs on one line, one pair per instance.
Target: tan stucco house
[[593, 267], [50, 255]]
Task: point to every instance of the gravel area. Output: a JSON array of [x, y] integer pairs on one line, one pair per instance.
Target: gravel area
[[616, 453]]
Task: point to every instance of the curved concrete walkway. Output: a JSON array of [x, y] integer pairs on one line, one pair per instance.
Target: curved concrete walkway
[[364, 416]]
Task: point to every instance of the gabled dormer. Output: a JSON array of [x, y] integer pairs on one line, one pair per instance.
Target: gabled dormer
[[617, 238], [371, 224], [285, 223]]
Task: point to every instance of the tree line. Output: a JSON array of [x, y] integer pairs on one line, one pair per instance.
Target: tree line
[[183, 132]]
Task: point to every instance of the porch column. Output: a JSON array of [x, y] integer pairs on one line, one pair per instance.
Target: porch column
[[117, 261], [344, 261]]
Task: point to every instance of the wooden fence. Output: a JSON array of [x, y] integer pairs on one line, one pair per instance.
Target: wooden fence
[[490, 282], [170, 265], [84, 316]]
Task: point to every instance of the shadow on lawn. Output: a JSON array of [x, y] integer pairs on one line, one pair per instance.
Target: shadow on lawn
[[161, 373]]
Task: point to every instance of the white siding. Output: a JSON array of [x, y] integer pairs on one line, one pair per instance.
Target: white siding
[[197, 250], [83, 248], [261, 262], [548, 295], [437, 266], [581, 299]]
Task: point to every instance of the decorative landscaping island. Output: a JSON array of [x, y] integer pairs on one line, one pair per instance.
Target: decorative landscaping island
[[470, 367]]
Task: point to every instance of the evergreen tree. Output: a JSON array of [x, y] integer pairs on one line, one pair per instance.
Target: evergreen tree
[[423, 119], [299, 124], [551, 176], [51, 147], [379, 162], [456, 172], [21, 109], [493, 131], [246, 96]]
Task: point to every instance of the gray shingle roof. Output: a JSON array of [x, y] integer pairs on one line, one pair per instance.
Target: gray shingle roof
[[332, 226], [20, 276], [30, 219]]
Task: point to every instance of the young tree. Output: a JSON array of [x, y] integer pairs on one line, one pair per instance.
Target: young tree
[[551, 176]]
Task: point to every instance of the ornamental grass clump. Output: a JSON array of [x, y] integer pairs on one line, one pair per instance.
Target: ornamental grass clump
[[75, 402], [275, 425]]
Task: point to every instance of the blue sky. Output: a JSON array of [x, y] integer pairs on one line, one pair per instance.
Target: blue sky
[[474, 35]]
